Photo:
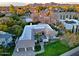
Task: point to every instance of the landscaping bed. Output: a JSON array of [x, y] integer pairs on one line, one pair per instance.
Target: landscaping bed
[[55, 49], [37, 48]]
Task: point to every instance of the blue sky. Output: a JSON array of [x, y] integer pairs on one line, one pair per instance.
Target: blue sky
[[40, 1]]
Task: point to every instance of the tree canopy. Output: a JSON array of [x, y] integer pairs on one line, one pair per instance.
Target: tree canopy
[[12, 9]]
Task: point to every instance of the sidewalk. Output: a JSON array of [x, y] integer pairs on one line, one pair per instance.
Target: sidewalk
[[42, 48], [71, 52]]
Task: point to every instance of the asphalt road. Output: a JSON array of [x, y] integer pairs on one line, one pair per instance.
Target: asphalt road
[[75, 54]]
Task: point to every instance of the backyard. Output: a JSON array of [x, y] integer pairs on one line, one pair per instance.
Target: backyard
[[55, 49]]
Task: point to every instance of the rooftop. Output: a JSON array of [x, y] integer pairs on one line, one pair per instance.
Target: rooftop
[[4, 35], [28, 30], [68, 24], [28, 19]]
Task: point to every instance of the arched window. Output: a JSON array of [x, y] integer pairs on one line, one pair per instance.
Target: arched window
[[66, 16], [60, 16], [63, 17], [70, 17]]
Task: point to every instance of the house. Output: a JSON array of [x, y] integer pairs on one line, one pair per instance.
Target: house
[[70, 23], [69, 15], [5, 38], [8, 14], [28, 19], [26, 43]]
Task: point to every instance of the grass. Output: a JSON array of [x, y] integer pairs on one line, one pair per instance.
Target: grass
[[54, 49], [9, 51]]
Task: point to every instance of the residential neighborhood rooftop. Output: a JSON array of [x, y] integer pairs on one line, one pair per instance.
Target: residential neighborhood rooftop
[[4, 35], [28, 35]]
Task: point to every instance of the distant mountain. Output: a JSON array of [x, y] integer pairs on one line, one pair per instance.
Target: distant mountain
[[35, 4], [72, 3], [54, 4], [13, 3]]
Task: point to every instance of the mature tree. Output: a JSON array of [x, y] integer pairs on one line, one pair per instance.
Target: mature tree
[[12, 9], [38, 37], [16, 30], [21, 23], [40, 8], [7, 21], [71, 38], [3, 27], [11, 22], [15, 17], [71, 9]]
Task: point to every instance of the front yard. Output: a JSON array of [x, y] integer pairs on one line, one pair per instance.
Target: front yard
[[54, 49], [6, 51]]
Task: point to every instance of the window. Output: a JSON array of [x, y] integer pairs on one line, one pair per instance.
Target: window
[[60, 16], [29, 49], [63, 17], [21, 49], [66, 16], [70, 16]]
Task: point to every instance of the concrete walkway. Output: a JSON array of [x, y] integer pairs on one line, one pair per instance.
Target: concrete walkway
[[42, 48], [72, 52]]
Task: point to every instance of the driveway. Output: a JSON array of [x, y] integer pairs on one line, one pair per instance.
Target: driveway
[[23, 53], [42, 48], [28, 53]]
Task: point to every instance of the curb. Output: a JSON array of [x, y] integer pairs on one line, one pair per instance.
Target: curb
[[69, 53]]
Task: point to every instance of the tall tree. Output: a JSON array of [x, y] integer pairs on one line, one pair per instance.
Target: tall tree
[[12, 9], [16, 29], [3, 27]]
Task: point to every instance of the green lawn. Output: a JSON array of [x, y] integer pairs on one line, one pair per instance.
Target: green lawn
[[9, 51], [55, 49]]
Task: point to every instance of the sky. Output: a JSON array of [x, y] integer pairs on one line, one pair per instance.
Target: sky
[[40, 1]]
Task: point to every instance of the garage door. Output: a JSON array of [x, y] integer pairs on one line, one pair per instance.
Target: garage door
[[21, 49], [29, 49]]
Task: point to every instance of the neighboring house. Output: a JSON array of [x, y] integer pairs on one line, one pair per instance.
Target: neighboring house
[[45, 17], [4, 9], [26, 42], [8, 14], [70, 23], [5, 38], [64, 15], [28, 19]]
